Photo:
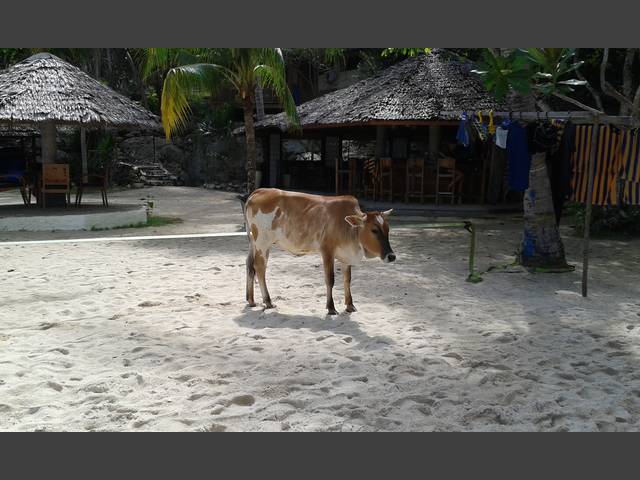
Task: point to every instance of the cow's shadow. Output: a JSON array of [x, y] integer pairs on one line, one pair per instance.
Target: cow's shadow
[[342, 325]]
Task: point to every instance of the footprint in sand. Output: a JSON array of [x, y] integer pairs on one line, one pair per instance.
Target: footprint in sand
[[242, 400], [214, 427], [147, 304], [217, 409], [55, 386], [47, 325]]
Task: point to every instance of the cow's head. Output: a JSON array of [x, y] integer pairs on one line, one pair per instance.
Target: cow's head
[[373, 233]]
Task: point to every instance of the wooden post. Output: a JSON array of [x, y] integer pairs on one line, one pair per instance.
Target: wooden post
[[83, 149], [595, 133], [434, 140], [48, 142]]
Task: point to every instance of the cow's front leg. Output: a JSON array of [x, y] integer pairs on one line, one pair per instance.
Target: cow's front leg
[[329, 279], [348, 299]]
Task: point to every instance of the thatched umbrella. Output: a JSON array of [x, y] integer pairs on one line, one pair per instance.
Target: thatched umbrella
[[44, 91]]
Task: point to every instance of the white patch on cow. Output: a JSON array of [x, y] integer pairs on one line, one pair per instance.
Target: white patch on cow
[[380, 220]]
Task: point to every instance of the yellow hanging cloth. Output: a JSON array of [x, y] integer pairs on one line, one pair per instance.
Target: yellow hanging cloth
[[492, 127]]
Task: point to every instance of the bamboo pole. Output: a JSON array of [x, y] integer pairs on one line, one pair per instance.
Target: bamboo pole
[[587, 217]]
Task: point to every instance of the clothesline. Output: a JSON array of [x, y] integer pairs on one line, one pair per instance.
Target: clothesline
[[580, 116]]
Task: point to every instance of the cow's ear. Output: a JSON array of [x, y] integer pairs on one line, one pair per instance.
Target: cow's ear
[[386, 213], [355, 220]]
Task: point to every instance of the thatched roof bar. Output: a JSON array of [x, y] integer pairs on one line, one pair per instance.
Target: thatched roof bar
[[44, 88], [416, 91]]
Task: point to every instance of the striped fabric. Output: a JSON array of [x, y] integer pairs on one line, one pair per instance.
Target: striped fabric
[[630, 167], [630, 153], [606, 167], [371, 166], [631, 193]]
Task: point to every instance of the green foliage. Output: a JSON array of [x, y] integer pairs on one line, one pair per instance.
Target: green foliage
[[238, 69], [543, 71], [607, 221], [502, 73], [404, 52]]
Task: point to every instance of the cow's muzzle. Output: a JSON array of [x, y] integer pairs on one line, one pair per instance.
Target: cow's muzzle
[[389, 257]]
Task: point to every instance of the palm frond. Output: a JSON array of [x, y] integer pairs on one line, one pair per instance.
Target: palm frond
[[271, 74], [184, 83]]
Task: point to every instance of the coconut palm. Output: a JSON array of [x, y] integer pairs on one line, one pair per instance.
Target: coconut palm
[[214, 70]]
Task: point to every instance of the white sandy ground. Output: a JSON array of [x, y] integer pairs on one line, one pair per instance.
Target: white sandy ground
[[156, 336]]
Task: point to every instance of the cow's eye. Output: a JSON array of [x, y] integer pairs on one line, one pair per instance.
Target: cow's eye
[[376, 230]]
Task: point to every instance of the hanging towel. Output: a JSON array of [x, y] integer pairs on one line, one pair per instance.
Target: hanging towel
[[630, 167], [518, 157], [559, 166], [631, 193], [481, 128], [607, 165], [463, 134], [501, 137], [630, 155]]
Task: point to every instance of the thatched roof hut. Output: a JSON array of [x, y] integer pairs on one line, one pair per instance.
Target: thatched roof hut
[[419, 89], [44, 88]]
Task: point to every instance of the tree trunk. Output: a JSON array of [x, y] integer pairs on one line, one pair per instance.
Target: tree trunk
[[627, 80], [137, 78], [97, 60], [250, 137], [541, 243]]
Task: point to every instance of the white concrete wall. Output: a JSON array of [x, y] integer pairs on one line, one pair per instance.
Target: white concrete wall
[[73, 221]]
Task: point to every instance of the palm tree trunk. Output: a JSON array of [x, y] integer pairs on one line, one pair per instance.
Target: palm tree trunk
[[542, 245], [250, 137], [541, 242]]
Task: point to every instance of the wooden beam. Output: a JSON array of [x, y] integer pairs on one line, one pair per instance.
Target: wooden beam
[[587, 217], [83, 151]]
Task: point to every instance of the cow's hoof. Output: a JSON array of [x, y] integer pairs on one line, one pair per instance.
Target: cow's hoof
[[351, 309], [332, 311], [269, 305], [251, 304]]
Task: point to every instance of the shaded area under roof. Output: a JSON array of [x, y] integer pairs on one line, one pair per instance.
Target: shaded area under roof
[[45, 88], [423, 88]]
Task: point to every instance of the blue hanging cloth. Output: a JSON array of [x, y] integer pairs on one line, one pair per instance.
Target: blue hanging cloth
[[463, 134], [518, 157]]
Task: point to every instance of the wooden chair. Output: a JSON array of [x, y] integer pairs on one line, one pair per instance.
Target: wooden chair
[[386, 179], [345, 171], [415, 179], [370, 178], [55, 179], [446, 170], [99, 180]]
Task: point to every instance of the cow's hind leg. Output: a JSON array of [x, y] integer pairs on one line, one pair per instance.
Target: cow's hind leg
[[251, 276], [260, 262], [348, 299], [329, 279]]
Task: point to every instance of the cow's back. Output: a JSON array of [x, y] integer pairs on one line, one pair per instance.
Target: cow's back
[[298, 222]]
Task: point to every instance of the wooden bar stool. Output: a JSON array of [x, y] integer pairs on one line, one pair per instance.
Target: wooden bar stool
[[415, 179], [446, 170], [386, 179]]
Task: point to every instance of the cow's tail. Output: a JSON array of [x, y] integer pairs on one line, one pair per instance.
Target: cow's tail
[[243, 201]]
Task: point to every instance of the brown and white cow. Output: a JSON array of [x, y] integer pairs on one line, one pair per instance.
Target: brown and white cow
[[302, 223]]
